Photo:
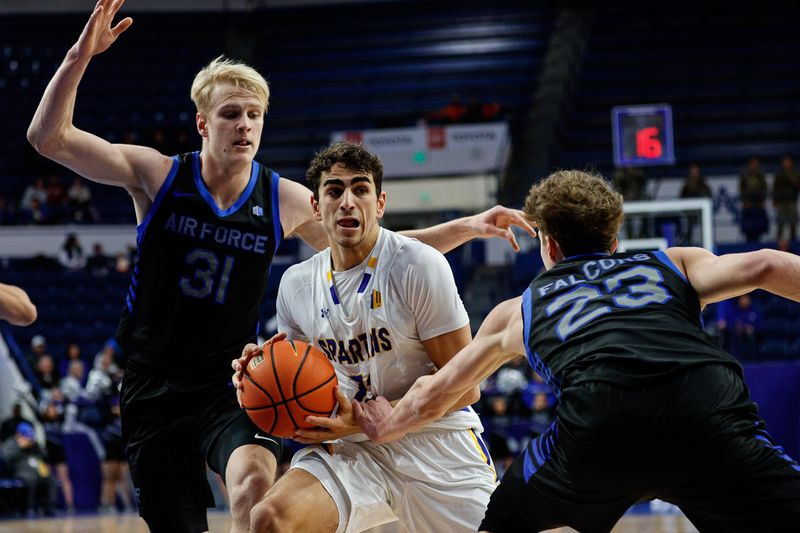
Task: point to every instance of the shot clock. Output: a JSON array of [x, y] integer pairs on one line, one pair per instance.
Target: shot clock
[[642, 135]]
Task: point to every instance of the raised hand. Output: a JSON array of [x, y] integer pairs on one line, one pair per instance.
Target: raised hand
[[98, 34], [497, 221], [248, 352]]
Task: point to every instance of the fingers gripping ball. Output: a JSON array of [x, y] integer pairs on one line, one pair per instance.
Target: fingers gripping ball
[[284, 384]]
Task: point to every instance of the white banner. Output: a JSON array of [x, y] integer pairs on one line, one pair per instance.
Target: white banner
[[436, 150]]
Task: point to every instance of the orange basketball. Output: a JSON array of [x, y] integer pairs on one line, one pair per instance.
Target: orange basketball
[[285, 383]]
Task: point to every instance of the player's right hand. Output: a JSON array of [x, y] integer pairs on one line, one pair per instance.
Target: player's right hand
[[98, 34], [248, 352]]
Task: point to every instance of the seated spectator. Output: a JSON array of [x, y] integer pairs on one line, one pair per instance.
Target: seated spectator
[[35, 214], [38, 348], [73, 354], [56, 200], [108, 359], [35, 191], [80, 201], [498, 422], [25, 461], [52, 418], [785, 191], [46, 373], [75, 392], [738, 322], [452, 113], [71, 254], [9, 425], [99, 264], [753, 194]]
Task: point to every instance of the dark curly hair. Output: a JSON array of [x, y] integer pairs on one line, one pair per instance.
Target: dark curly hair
[[352, 156]]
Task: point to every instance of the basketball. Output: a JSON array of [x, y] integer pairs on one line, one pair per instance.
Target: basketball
[[284, 384]]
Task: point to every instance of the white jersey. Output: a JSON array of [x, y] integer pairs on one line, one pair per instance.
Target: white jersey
[[371, 320]]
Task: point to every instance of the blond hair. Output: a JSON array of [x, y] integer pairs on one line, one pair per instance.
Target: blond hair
[[227, 71], [578, 209]]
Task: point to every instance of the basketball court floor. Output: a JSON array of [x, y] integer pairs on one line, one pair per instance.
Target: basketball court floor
[[220, 523]]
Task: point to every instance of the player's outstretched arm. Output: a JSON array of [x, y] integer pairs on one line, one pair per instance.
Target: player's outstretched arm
[[717, 278], [495, 222], [54, 135], [499, 339], [297, 217], [15, 306]]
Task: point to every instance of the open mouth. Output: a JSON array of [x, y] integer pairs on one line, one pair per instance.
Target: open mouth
[[348, 222], [242, 143]]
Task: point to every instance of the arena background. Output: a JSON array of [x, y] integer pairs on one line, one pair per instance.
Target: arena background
[[468, 104]]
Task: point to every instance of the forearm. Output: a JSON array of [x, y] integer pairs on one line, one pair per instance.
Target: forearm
[[446, 236], [15, 306], [53, 117]]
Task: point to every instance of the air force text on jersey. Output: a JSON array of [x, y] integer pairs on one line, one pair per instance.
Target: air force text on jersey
[[205, 231], [591, 270]]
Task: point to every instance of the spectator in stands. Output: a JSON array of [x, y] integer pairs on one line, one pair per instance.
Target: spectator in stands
[[35, 213], [71, 254], [38, 348], [9, 425], [80, 201], [109, 358], [785, 191], [738, 322], [56, 200], [35, 191], [695, 185], [25, 461], [73, 353], [46, 373], [753, 194], [99, 264], [52, 418], [8, 213], [631, 183], [498, 421], [452, 113], [77, 394]]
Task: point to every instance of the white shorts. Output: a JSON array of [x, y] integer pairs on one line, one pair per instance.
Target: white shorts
[[431, 481]]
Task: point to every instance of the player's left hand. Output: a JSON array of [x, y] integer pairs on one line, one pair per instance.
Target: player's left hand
[[327, 429], [370, 414], [497, 222]]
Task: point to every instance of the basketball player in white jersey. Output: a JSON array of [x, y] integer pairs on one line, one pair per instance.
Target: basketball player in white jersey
[[385, 310]]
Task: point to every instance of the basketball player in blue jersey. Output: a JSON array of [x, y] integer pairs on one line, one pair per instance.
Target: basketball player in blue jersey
[[649, 405], [209, 224]]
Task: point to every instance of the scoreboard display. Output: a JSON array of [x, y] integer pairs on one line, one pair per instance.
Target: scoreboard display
[[642, 135]]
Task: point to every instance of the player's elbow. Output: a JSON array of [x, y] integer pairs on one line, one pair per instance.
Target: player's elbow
[[46, 143], [28, 315], [472, 395]]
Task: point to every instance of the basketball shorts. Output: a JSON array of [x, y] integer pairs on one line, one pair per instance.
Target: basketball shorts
[[693, 439], [430, 481], [171, 432]]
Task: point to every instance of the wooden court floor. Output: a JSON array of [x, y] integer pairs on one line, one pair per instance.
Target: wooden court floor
[[220, 523]]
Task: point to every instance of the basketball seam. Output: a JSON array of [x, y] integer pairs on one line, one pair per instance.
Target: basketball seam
[[273, 406], [293, 398]]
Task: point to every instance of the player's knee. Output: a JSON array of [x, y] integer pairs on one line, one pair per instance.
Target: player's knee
[[245, 492], [269, 516]]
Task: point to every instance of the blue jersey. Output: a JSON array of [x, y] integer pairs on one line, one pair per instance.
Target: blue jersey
[[628, 318], [196, 290]]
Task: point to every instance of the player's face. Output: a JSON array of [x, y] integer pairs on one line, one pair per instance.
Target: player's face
[[349, 206], [232, 128]]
